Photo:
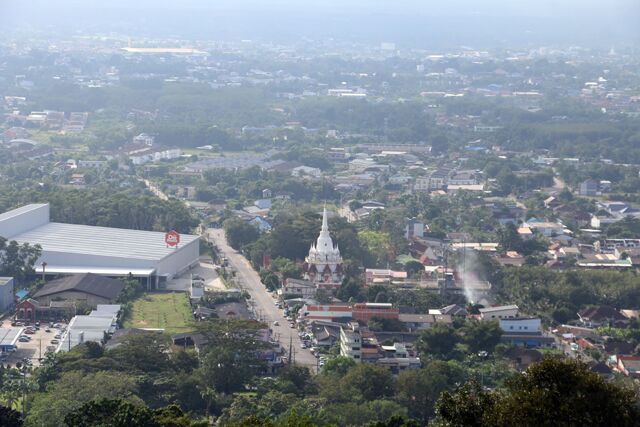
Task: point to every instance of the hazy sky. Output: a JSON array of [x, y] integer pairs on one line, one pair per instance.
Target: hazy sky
[[424, 22]]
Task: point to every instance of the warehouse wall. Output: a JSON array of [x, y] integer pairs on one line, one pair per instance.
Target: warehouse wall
[[180, 260]]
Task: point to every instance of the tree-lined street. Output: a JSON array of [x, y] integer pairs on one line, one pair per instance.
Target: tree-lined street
[[264, 304]]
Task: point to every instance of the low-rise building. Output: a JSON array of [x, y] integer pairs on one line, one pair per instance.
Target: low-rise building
[[304, 288], [499, 312], [88, 288]]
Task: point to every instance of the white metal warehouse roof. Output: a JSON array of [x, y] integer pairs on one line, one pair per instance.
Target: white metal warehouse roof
[[101, 241], [21, 210]]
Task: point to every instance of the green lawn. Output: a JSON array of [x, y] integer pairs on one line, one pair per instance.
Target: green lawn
[[169, 311]]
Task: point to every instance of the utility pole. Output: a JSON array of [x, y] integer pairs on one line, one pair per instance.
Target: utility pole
[[44, 266], [290, 347]]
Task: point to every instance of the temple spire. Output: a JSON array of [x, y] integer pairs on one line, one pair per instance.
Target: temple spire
[[325, 221]]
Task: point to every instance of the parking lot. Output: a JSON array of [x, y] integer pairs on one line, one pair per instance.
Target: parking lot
[[34, 349]]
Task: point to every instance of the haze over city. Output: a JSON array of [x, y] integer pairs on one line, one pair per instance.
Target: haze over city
[[305, 213]]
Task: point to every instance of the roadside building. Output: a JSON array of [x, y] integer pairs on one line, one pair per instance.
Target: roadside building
[[351, 341], [9, 338]]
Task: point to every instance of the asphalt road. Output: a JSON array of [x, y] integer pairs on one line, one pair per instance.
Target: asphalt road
[[263, 301]]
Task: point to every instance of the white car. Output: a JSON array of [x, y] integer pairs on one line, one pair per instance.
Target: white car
[[276, 323]]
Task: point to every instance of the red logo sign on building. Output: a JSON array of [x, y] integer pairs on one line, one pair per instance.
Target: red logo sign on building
[[172, 238]]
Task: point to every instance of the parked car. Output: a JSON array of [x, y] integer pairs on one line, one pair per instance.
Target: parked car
[[276, 323], [55, 341]]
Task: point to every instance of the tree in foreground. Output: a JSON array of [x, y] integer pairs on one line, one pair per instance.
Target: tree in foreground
[[120, 413], [551, 393], [9, 417]]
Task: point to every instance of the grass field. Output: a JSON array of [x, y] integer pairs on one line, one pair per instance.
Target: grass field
[[169, 311]]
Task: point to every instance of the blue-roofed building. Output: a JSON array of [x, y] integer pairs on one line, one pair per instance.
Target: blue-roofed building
[[21, 294]]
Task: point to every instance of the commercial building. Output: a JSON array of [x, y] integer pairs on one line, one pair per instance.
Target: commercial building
[[114, 252], [9, 338], [87, 288], [99, 324]]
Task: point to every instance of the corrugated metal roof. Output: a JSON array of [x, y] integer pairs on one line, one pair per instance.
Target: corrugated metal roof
[[101, 241], [21, 210]]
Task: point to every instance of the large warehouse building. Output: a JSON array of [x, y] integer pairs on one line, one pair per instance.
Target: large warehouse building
[[115, 252]]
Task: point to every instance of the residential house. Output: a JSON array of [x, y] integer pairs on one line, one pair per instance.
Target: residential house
[[302, 171], [589, 188], [601, 315], [547, 229], [420, 322]]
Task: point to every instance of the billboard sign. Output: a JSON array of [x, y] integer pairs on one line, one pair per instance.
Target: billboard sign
[[172, 238]]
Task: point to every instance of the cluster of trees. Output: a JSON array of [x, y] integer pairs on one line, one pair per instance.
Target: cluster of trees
[[462, 212], [510, 240], [552, 392], [592, 139], [17, 260], [142, 378], [292, 235], [558, 296], [134, 208], [245, 186], [454, 342]]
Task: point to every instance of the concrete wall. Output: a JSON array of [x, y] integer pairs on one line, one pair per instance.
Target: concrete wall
[[23, 219], [6, 293]]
